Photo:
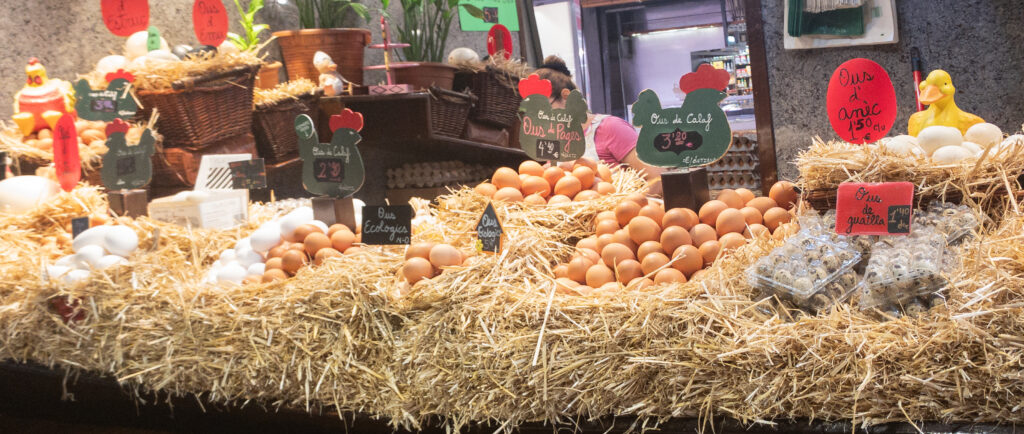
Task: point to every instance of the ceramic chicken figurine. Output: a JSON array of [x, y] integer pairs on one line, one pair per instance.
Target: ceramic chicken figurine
[[937, 93], [330, 79], [42, 101]]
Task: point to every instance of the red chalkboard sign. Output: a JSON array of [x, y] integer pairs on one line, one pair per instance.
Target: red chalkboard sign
[[65, 153], [124, 17], [210, 20], [499, 39], [874, 208], [861, 101]]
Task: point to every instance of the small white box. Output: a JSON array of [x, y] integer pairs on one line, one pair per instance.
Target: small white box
[[215, 209]]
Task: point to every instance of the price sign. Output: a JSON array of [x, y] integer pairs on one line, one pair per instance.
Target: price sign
[[114, 102], [498, 38], [331, 169], [383, 225], [248, 174], [548, 133], [874, 208], [66, 160], [79, 225], [126, 167], [861, 101], [210, 21], [489, 231], [124, 17], [152, 39]]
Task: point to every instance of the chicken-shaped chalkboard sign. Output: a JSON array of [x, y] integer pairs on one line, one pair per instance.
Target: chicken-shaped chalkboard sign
[[550, 133], [127, 167], [331, 169], [696, 134], [114, 102]]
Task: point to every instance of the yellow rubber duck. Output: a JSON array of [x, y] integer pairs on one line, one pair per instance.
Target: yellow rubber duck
[[937, 93]]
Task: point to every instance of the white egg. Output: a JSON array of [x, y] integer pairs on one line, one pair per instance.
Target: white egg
[[66, 261], [984, 134], [88, 256], [903, 145], [463, 54], [975, 149], [75, 276], [247, 257], [934, 137], [293, 220], [19, 194], [136, 46], [319, 224], [951, 154], [162, 56], [357, 209], [232, 272], [57, 271], [121, 240], [227, 47], [94, 236], [1014, 143], [110, 261], [227, 256], [242, 244], [111, 63], [265, 238], [256, 269]]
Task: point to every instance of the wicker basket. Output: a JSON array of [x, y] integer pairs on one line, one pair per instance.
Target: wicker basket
[[203, 110], [498, 103], [274, 126], [179, 167], [449, 111]]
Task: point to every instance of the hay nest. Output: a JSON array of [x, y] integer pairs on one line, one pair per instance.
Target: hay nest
[[288, 90], [161, 75], [507, 72], [90, 156]]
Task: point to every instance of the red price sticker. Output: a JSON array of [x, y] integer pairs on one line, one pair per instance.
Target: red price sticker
[[874, 208], [210, 20], [861, 101], [499, 39], [65, 153], [124, 17]]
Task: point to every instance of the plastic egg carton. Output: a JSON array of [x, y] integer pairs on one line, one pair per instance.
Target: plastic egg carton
[[957, 222], [810, 272], [904, 275]]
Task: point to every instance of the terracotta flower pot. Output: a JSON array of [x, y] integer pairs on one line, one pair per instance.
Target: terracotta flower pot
[[422, 75], [345, 46], [268, 76]]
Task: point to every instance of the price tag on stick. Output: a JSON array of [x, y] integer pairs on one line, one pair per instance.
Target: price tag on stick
[[124, 17], [248, 174], [79, 225], [384, 225], [874, 208], [861, 101], [210, 21], [548, 133], [499, 39], [489, 231], [331, 169], [114, 102], [66, 160]]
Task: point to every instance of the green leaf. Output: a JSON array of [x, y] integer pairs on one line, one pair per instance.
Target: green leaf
[[473, 11], [238, 41], [259, 28], [385, 4], [361, 10]]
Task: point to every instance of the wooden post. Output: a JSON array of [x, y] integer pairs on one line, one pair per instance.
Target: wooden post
[[687, 188], [128, 203], [332, 210]]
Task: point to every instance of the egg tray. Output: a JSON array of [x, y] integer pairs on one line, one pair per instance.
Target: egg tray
[[809, 272], [904, 269], [957, 222]]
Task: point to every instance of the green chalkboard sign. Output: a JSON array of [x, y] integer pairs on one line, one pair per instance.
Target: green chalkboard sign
[[331, 169], [696, 134], [481, 15], [127, 167], [114, 102], [546, 133]]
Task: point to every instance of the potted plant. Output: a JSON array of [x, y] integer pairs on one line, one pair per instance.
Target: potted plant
[[321, 22], [425, 28], [250, 40]]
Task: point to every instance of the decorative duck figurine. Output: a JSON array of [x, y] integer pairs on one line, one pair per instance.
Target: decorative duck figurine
[[42, 101], [330, 79], [937, 93]]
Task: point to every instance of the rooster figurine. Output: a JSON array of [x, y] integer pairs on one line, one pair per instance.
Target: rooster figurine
[[42, 101], [330, 79]]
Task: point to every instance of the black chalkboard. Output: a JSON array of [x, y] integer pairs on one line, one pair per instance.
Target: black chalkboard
[[384, 225], [248, 174], [489, 231], [3, 165], [78, 226], [899, 219], [329, 169]]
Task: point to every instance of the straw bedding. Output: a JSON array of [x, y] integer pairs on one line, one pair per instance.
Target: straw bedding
[[491, 340]]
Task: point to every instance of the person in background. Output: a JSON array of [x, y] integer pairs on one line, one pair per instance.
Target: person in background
[[610, 139]]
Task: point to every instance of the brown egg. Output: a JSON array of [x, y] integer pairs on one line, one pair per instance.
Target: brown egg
[[444, 255], [416, 269], [732, 241], [640, 283], [615, 253], [604, 172], [297, 246], [605, 188], [642, 229], [565, 286], [509, 194], [586, 195], [639, 198], [584, 290], [352, 250], [293, 260], [249, 280], [274, 274], [775, 217], [522, 178], [561, 270], [337, 227], [628, 270], [698, 274], [709, 211], [731, 198], [682, 217], [604, 215], [653, 262], [273, 264], [654, 211], [535, 199], [587, 243], [673, 237], [784, 194], [607, 227], [566, 165], [585, 162], [762, 204], [278, 250], [558, 198], [709, 251], [625, 212], [702, 233], [598, 275], [417, 250], [552, 175], [325, 253], [647, 248], [45, 133], [756, 230], [585, 175], [730, 220], [505, 177], [592, 255], [609, 288], [745, 195], [688, 259], [568, 186], [578, 269], [669, 275], [485, 189], [302, 232], [621, 236], [342, 239], [604, 240], [751, 215], [536, 184], [530, 167], [316, 241]]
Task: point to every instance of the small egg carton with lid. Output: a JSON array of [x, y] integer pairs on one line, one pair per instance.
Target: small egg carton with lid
[[904, 274], [810, 272], [957, 222]]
